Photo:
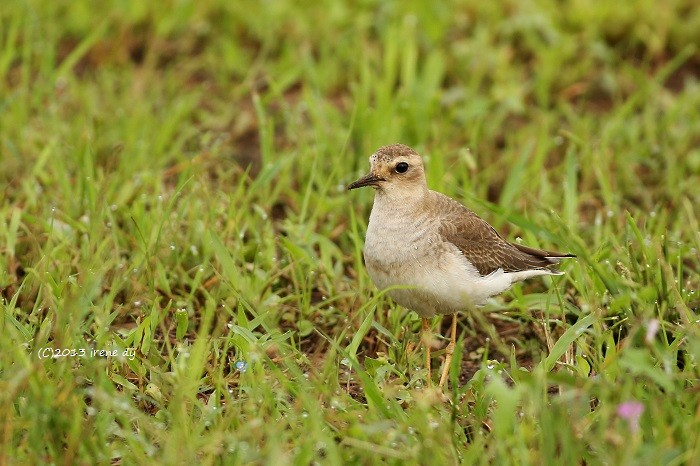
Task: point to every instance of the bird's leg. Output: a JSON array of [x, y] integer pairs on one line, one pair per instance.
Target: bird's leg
[[449, 350], [426, 337]]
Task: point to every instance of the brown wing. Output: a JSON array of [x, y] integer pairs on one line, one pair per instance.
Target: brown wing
[[484, 247]]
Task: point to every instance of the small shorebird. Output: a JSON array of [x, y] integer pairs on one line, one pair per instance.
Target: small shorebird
[[443, 257]]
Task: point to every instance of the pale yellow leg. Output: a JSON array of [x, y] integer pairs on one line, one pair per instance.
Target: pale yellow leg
[[449, 351], [426, 342]]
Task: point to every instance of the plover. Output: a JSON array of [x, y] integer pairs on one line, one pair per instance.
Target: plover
[[437, 256]]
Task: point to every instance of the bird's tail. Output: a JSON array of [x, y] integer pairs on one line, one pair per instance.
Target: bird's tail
[[552, 257]]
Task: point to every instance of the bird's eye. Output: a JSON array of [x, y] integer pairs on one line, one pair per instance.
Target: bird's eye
[[401, 167]]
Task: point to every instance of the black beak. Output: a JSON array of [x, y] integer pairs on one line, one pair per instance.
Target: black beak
[[367, 180]]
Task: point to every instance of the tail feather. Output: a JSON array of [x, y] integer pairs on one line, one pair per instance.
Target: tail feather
[[552, 256]]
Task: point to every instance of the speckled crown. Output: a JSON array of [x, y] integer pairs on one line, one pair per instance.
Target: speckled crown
[[390, 152]]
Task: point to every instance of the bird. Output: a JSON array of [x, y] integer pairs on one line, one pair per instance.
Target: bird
[[432, 254]]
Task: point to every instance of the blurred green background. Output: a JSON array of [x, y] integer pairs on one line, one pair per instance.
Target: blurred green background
[[172, 178]]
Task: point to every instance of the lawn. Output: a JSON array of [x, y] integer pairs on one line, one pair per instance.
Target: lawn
[[181, 272]]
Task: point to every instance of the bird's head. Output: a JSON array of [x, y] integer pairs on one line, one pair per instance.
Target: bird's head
[[396, 170]]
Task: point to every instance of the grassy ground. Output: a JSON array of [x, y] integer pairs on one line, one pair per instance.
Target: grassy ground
[[172, 178]]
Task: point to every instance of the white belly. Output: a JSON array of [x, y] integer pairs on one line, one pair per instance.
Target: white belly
[[430, 276]]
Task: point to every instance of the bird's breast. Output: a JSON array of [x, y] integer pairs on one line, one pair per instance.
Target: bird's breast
[[428, 274], [395, 242]]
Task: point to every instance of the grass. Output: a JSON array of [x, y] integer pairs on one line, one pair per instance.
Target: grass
[[173, 174]]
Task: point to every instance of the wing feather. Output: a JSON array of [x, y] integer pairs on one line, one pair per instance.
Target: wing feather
[[484, 247]]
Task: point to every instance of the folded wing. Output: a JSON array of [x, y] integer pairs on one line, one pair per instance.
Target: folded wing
[[486, 249]]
